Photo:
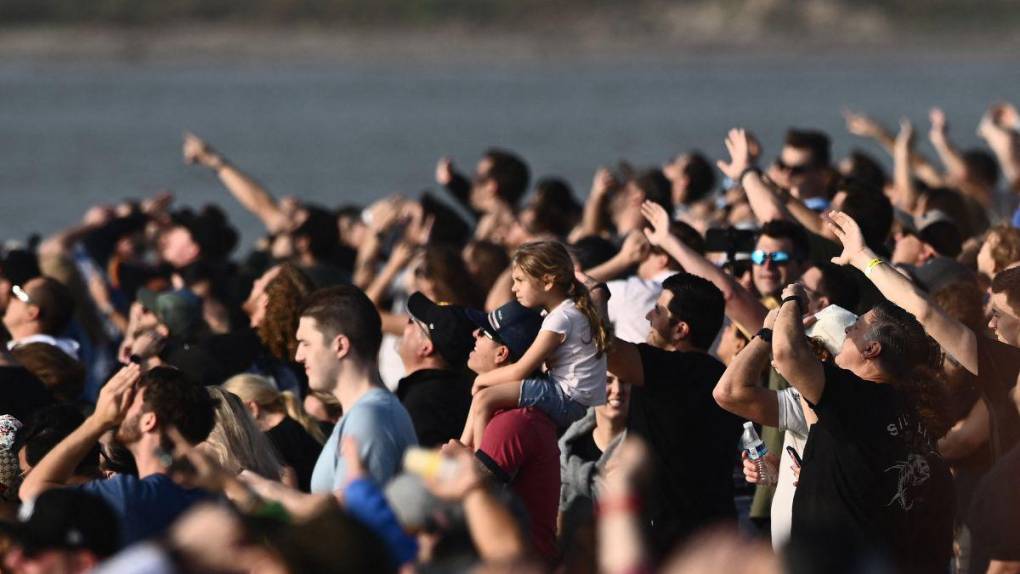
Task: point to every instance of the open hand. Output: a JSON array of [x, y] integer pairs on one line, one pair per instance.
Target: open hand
[[196, 150], [862, 125], [657, 217], [848, 233], [444, 171], [603, 183], [740, 154], [905, 137], [939, 126], [116, 396], [635, 248]]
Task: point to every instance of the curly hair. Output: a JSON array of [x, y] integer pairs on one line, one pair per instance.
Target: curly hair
[[914, 360], [1005, 246], [285, 294]]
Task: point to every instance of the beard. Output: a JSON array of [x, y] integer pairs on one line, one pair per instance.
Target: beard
[[129, 431]]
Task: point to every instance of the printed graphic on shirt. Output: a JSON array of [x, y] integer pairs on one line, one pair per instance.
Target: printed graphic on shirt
[[913, 472]]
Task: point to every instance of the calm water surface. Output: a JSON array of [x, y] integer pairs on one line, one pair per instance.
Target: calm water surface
[[75, 135]]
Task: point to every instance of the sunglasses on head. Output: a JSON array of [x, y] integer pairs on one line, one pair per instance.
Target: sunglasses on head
[[793, 169], [759, 257], [21, 294]]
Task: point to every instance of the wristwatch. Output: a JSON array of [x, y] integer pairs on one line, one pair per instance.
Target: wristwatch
[[765, 333]]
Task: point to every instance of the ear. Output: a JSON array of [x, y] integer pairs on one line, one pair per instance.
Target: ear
[[502, 354], [872, 350], [341, 345], [163, 330], [681, 331], [927, 252], [148, 422], [661, 260], [427, 348], [823, 301], [33, 311]]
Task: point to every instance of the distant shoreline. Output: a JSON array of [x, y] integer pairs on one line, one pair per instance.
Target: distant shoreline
[[303, 43]]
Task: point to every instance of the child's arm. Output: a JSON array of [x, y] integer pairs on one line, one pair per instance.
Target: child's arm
[[545, 343]]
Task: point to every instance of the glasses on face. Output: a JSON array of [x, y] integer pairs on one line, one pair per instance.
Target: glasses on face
[[793, 169], [21, 294], [759, 257]]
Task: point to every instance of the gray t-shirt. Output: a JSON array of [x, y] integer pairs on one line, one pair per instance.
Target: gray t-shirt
[[383, 430]]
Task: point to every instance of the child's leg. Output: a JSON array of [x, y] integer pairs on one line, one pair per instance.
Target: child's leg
[[488, 401]]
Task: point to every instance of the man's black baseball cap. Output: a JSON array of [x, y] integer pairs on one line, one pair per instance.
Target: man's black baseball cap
[[449, 328]]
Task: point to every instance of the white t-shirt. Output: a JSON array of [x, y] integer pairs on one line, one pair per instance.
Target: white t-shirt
[[575, 365], [631, 300], [791, 420]]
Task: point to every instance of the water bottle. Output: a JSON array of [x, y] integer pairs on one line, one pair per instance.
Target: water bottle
[[756, 451]]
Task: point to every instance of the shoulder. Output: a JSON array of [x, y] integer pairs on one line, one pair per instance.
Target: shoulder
[[688, 363]]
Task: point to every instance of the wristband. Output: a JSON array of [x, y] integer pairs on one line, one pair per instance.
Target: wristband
[[621, 505], [870, 267], [765, 334], [747, 170], [796, 299]]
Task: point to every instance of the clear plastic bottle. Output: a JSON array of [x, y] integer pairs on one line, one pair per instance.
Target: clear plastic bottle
[[756, 451]]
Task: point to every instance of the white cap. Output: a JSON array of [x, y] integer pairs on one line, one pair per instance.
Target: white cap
[[830, 327]]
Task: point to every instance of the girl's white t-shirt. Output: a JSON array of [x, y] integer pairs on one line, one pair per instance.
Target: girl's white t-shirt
[[576, 366]]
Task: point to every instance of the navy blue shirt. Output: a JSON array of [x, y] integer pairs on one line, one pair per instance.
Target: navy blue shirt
[[145, 506]]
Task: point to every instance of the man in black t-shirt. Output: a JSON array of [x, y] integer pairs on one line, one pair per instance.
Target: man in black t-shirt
[[870, 465], [434, 350], [692, 440]]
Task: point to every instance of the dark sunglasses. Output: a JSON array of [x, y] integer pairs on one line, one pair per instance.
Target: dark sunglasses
[[793, 169], [759, 257]]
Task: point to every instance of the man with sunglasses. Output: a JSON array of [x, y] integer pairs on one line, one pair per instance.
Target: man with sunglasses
[[519, 446], [434, 350], [39, 312], [803, 167], [779, 257]]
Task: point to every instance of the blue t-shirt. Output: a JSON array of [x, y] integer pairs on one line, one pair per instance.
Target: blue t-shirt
[[144, 506], [383, 430]]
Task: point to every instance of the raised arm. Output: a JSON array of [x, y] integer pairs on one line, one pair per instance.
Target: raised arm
[[741, 306], [57, 467], [998, 128], [765, 202], [455, 184], [950, 157], [632, 252], [956, 338], [791, 354], [246, 190], [739, 390], [866, 127], [968, 434], [593, 220], [903, 181]]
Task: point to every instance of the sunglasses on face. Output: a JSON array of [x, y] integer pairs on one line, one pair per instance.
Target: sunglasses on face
[[759, 257], [793, 169]]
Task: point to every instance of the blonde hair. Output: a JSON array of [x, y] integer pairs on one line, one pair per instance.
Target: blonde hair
[[236, 441], [261, 391], [550, 261]]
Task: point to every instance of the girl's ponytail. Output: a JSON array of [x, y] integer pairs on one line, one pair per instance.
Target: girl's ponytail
[[601, 331]]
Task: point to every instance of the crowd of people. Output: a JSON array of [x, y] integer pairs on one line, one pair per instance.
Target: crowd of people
[[499, 376]]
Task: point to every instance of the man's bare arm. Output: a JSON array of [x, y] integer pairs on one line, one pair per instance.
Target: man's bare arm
[[243, 187], [791, 354], [955, 337], [739, 390]]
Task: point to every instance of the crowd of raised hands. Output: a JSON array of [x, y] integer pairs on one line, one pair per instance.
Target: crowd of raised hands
[[766, 223]]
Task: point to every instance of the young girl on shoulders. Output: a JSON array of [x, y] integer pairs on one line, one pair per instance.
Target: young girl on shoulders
[[572, 344]]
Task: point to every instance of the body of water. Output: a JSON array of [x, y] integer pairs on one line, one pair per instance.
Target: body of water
[[72, 135]]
